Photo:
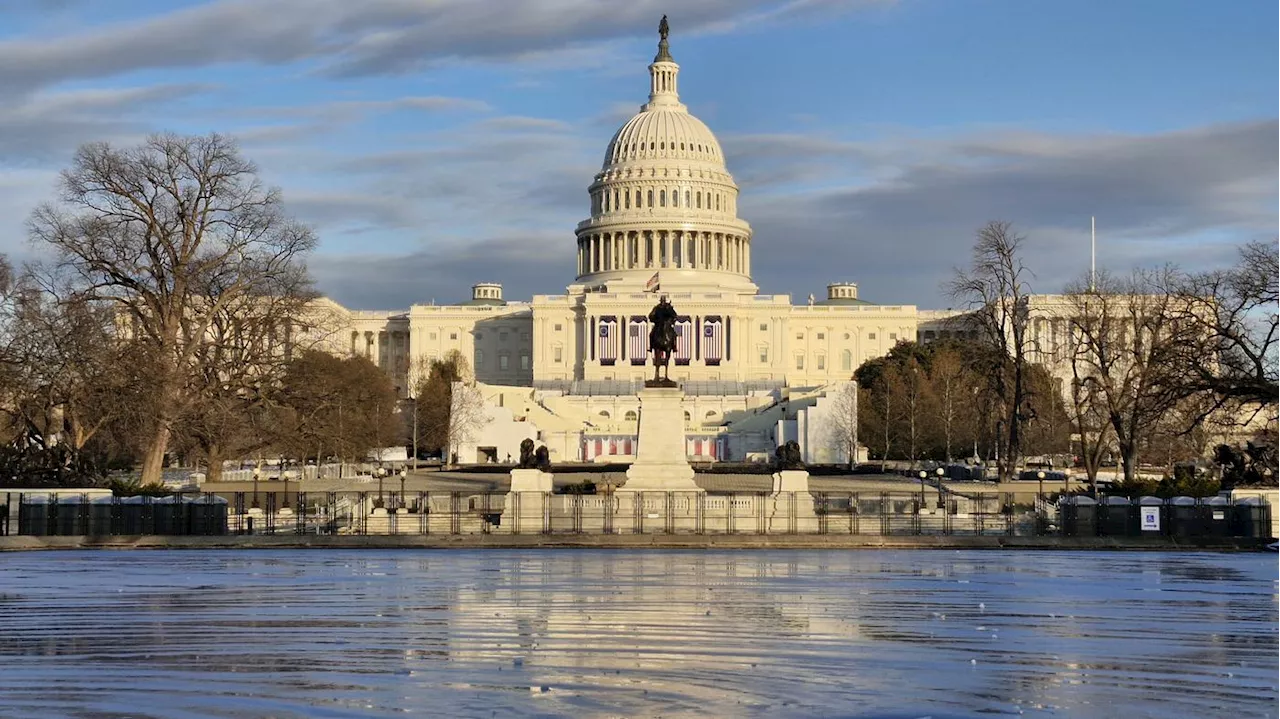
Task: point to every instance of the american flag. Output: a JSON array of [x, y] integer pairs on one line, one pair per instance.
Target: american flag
[[652, 284], [712, 339], [607, 349], [638, 339], [684, 340]]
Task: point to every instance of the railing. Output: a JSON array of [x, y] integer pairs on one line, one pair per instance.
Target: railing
[[425, 513]]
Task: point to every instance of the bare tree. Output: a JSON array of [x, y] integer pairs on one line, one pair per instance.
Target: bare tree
[[1231, 351], [844, 420], [1126, 342], [433, 400], [466, 415], [996, 288], [240, 368], [173, 232], [951, 384]]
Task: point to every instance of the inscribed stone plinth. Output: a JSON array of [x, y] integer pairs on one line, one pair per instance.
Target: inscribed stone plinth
[[661, 463]]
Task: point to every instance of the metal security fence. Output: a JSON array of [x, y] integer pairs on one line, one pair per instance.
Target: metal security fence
[[1153, 516], [456, 513]]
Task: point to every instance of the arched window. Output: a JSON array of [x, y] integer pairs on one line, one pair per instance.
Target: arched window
[[717, 202], [651, 145], [662, 198], [686, 199], [639, 204], [615, 199], [604, 414], [711, 413], [631, 415], [675, 198], [628, 196], [650, 198], [687, 417], [699, 199]]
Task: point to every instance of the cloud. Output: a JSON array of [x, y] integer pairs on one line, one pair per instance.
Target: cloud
[[355, 39], [356, 108], [900, 235], [48, 125], [522, 263]]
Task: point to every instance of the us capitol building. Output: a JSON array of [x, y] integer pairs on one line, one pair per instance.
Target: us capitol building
[[564, 369]]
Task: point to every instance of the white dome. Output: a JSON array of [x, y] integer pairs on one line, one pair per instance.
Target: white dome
[[664, 202], [663, 134]]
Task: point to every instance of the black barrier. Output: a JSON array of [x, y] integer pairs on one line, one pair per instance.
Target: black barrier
[[425, 513]]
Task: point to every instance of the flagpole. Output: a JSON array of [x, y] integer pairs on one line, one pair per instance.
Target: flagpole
[[1093, 253]]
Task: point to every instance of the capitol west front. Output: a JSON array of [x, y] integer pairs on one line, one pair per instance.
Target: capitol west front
[[564, 369]]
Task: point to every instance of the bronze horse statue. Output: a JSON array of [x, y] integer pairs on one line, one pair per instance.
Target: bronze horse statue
[[662, 340]]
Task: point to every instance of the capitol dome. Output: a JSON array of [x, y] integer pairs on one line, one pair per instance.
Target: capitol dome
[[663, 202], [663, 134]]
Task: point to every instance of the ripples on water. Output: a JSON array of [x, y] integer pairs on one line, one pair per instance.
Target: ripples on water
[[600, 633]]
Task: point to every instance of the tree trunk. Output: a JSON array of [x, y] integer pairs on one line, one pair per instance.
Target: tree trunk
[[153, 455], [214, 457], [1129, 459]]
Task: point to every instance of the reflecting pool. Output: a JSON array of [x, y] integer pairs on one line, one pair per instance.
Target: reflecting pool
[[605, 633]]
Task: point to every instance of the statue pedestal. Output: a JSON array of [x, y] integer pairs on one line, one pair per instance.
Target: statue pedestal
[[789, 508], [661, 463], [528, 502]]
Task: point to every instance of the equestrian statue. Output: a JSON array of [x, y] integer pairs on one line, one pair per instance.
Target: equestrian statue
[[662, 342]]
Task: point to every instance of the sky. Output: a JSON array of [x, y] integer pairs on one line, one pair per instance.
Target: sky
[[433, 144]]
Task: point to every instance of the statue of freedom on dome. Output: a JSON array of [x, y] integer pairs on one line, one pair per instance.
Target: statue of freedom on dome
[[663, 28], [662, 341]]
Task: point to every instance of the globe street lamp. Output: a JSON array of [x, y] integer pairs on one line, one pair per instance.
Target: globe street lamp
[[923, 476], [404, 474], [941, 473], [1040, 476]]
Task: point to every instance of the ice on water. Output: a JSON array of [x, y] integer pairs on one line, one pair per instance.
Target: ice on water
[[637, 633]]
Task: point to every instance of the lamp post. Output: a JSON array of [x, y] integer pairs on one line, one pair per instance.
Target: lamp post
[[404, 474], [923, 476], [381, 473], [255, 488], [941, 473], [1040, 476], [285, 476]]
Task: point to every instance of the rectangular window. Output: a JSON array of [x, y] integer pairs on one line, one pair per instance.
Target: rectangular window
[[893, 335], [822, 362], [799, 335], [503, 360], [764, 355], [559, 355], [453, 335], [479, 358], [524, 361], [764, 327], [559, 327], [871, 335], [822, 335], [799, 361], [433, 335], [502, 336]]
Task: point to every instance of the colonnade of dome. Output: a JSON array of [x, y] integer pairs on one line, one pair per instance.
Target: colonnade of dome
[[663, 249]]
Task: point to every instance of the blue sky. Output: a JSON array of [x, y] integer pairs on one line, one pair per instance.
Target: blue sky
[[436, 143]]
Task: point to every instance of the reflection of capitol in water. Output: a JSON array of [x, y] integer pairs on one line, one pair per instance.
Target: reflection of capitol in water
[[682, 625]]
